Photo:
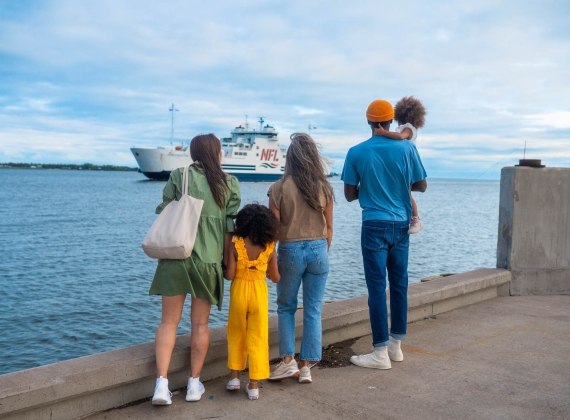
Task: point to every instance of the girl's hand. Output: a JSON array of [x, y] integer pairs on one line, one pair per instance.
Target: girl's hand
[[379, 131]]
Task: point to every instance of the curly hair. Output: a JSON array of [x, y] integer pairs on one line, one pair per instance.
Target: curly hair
[[258, 223], [410, 110]]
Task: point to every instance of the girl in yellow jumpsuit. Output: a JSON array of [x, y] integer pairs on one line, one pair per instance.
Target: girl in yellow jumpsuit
[[251, 256]]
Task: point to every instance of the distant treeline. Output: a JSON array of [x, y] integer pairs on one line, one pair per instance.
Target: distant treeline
[[67, 166]]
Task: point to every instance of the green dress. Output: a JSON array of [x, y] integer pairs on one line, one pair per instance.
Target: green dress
[[200, 274]]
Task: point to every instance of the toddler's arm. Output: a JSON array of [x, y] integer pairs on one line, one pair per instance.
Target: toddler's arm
[[230, 270], [406, 133], [272, 269]]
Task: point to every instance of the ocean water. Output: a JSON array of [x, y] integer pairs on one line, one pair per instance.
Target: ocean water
[[74, 280]]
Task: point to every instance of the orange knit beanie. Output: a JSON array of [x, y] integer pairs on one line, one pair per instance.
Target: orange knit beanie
[[380, 111]]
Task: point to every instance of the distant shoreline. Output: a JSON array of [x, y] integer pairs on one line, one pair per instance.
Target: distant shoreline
[[67, 167]]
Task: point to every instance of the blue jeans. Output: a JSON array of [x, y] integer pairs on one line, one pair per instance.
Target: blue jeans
[[385, 246], [306, 263]]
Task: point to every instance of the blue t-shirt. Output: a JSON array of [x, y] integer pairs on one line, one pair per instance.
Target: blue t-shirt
[[385, 169]]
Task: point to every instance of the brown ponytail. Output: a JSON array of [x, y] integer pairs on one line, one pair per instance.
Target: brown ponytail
[[205, 151]]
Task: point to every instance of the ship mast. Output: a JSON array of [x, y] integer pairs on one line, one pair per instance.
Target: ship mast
[[172, 109]]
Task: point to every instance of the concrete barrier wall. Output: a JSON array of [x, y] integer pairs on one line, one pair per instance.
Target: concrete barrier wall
[[78, 387], [534, 229]]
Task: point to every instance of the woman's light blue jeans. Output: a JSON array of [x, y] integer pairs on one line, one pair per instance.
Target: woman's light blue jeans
[[306, 263]]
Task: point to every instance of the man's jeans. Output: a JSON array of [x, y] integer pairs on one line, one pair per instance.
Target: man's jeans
[[305, 262], [385, 246]]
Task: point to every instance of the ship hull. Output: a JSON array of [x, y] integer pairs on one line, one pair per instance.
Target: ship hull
[[241, 177]]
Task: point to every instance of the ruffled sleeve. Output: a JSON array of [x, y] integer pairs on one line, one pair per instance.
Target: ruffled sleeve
[[170, 190], [233, 203], [411, 127]]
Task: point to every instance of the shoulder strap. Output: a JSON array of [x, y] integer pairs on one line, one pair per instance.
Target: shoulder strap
[[185, 181], [240, 248]]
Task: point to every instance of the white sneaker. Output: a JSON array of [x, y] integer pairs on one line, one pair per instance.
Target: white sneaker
[[252, 394], [285, 371], [415, 225], [162, 396], [233, 384], [394, 351], [305, 377], [378, 359], [195, 389]]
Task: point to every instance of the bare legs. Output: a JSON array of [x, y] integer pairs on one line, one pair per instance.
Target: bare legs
[[200, 335], [166, 333]]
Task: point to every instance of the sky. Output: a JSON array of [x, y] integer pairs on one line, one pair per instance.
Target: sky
[[85, 81]]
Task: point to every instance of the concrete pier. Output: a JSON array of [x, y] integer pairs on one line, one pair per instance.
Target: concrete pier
[[534, 229], [86, 385], [503, 358]]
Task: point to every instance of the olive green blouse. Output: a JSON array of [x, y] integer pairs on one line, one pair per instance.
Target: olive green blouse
[[200, 274]]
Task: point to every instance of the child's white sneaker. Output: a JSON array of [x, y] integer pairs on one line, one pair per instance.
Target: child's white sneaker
[[378, 359], [415, 225], [233, 384], [394, 350], [195, 389], [162, 396], [285, 371], [252, 394]]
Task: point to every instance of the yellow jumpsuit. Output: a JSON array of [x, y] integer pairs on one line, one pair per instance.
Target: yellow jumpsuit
[[248, 315]]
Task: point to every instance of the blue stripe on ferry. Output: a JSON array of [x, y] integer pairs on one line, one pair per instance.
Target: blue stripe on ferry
[[231, 168]]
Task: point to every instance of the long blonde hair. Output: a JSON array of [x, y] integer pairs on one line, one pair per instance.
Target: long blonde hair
[[304, 164]]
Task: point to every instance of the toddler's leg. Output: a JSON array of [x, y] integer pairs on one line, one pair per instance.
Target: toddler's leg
[[414, 206], [415, 223]]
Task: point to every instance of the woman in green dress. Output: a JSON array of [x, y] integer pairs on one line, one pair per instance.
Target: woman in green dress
[[200, 275]]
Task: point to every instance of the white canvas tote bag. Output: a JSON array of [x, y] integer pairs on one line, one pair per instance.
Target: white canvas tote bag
[[173, 233]]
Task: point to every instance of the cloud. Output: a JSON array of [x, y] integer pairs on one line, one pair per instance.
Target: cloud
[[556, 119], [87, 81], [307, 111]]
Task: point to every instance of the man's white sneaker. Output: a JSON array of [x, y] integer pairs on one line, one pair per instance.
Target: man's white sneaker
[[195, 389], [305, 376], [285, 371], [252, 394], [415, 225], [394, 351], [233, 384], [162, 396], [378, 359]]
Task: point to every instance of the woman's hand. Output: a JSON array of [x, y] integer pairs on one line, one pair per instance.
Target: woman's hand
[[272, 269]]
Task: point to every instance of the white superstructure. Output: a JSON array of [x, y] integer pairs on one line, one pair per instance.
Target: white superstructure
[[249, 154]]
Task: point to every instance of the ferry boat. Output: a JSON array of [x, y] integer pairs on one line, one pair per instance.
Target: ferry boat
[[249, 154]]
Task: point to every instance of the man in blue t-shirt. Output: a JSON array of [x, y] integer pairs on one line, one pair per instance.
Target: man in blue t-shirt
[[379, 173]]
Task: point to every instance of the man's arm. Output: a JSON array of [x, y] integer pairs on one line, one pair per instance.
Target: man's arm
[[420, 186], [351, 192]]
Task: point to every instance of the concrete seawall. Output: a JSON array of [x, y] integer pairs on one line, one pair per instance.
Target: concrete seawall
[[78, 387]]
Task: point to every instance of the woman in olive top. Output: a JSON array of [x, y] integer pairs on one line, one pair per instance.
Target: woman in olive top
[[303, 202], [199, 275]]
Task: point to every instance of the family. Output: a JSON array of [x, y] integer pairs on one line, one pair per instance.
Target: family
[[288, 242]]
